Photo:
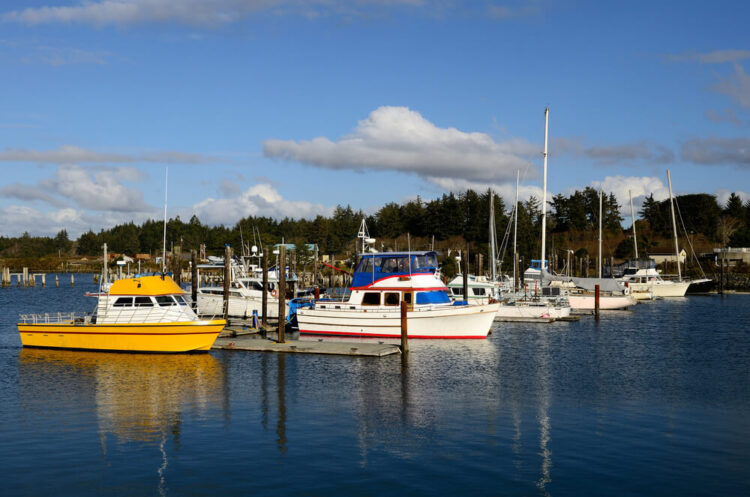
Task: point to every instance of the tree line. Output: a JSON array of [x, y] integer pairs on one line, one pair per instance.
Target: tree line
[[461, 219]]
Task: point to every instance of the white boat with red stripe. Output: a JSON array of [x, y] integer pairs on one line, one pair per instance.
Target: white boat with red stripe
[[380, 283]]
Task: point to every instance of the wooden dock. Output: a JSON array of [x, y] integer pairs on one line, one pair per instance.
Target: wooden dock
[[253, 343]]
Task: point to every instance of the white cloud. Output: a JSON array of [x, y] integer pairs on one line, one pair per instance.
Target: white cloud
[[190, 12], [640, 186], [259, 200], [505, 190], [71, 154], [17, 219], [722, 195], [400, 139]]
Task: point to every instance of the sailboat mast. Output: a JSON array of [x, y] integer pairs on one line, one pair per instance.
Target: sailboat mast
[[544, 190], [492, 235], [674, 227], [164, 238], [632, 216], [600, 232], [515, 230]]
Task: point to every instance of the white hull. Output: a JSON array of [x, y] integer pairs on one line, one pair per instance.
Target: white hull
[[519, 310], [606, 302], [662, 288], [213, 305], [442, 321]]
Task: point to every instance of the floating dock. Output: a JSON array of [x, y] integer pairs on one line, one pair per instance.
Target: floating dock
[[257, 344]]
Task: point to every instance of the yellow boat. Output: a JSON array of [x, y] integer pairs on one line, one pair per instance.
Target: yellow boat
[[141, 314]]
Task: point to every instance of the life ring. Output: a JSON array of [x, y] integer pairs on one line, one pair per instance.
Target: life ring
[[274, 293]]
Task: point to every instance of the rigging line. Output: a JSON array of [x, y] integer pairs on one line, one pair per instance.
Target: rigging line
[[692, 250]]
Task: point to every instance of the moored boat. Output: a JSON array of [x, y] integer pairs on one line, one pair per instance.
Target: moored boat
[[381, 282], [140, 314]]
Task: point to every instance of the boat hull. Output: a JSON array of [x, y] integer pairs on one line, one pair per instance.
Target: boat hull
[[470, 321], [606, 302], [663, 289], [531, 311], [186, 336]]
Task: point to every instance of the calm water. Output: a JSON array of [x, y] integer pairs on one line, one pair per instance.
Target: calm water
[[651, 402]]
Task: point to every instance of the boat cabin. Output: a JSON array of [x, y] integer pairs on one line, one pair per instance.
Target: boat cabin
[[143, 299]]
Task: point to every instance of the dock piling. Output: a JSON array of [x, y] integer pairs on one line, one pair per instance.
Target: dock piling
[[264, 303], [596, 301], [194, 282], [282, 293], [404, 328], [465, 272], [57, 281], [227, 278]]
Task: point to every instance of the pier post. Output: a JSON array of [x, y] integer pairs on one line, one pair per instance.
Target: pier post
[[264, 302], [72, 280], [315, 267], [57, 281], [227, 278], [404, 328], [194, 282], [25, 276], [44, 280], [596, 301], [282, 293], [721, 272]]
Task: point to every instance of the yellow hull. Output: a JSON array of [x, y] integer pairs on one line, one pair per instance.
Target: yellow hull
[[157, 337]]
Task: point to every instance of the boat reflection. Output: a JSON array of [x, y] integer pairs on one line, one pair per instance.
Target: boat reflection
[[136, 397]]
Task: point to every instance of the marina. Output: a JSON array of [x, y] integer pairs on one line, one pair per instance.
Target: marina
[[535, 403]]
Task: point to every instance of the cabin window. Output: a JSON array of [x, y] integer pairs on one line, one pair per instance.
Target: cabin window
[[394, 265], [456, 291], [425, 261], [365, 265], [165, 301], [143, 302], [180, 300], [391, 299], [371, 298], [407, 297], [123, 302], [478, 291], [254, 285], [433, 297]]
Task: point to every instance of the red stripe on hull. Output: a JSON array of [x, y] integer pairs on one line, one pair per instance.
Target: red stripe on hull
[[380, 335], [107, 333]]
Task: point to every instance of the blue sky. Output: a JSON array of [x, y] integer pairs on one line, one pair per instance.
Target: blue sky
[[290, 107]]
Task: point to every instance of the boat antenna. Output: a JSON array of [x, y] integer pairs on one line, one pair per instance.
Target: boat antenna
[[515, 231], [164, 238], [493, 255], [544, 190], [600, 232]]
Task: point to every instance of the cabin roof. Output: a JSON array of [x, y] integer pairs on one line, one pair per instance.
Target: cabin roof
[[146, 285]]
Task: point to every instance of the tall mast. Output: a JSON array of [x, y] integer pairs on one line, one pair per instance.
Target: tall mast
[[544, 190], [632, 216], [492, 235], [164, 239], [515, 229], [674, 227], [600, 232]]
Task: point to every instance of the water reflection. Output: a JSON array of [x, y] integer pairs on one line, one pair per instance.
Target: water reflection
[[136, 397]]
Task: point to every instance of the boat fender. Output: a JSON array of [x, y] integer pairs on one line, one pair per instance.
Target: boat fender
[[274, 293]]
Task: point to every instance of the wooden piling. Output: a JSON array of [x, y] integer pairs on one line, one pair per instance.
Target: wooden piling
[[25, 276], [404, 328], [227, 278], [264, 304], [194, 281], [57, 281], [44, 280], [72, 279], [596, 301], [282, 293]]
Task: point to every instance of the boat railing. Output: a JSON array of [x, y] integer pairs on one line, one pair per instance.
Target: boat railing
[[57, 318]]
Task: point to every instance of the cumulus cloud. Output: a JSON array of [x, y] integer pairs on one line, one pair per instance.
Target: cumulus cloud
[[715, 151], [608, 155], [715, 57], [722, 195], [17, 219], [190, 12], [70, 154], [30, 193], [640, 187], [505, 190], [259, 200], [400, 139]]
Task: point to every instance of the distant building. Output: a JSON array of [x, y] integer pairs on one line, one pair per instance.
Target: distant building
[[659, 258], [142, 257], [733, 255]]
